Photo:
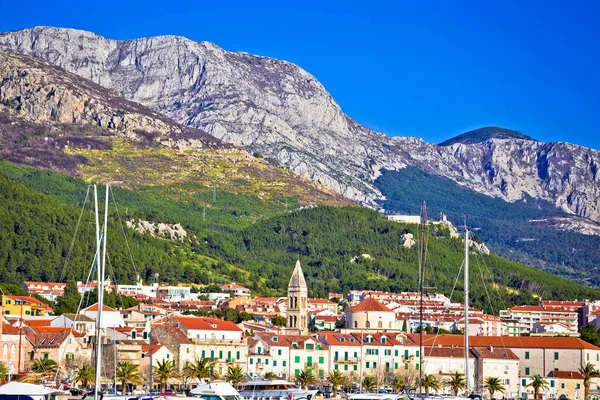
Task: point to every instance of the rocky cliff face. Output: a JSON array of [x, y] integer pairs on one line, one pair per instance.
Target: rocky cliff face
[[277, 108]]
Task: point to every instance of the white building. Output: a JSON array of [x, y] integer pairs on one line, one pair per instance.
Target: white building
[[110, 317]]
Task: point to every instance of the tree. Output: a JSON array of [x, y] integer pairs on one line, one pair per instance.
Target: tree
[[235, 375], [305, 377], [369, 384], [3, 372], [85, 374], [44, 366], [456, 382], [201, 368], [278, 321], [493, 385], [398, 384], [127, 372], [336, 378], [537, 383], [164, 370], [589, 371], [430, 382], [270, 375]]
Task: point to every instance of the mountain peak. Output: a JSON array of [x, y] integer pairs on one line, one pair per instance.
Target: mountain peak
[[486, 133]]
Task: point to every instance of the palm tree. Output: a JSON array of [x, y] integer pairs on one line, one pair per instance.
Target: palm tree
[[201, 368], [270, 375], [493, 385], [537, 383], [3, 372], [398, 384], [85, 374], [164, 370], [369, 383], [336, 378], [589, 371], [235, 375], [305, 378], [430, 382], [44, 366], [456, 382], [127, 372]]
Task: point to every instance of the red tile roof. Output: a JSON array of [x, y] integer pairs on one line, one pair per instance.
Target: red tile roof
[[37, 322], [155, 348], [370, 304], [8, 329], [505, 341], [208, 324], [94, 307], [566, 374]]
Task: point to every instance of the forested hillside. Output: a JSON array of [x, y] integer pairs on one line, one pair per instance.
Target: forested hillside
[[242, 239], [521, 231]]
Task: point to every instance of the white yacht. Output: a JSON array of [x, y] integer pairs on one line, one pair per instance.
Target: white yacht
[[210, 391], [25, 391], [277, 389]]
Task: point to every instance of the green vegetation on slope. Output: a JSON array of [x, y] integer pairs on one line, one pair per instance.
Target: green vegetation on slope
[[258, 252], [328, 239], [504, 227]]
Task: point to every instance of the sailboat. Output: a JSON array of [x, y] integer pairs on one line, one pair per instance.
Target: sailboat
[[423, 277]]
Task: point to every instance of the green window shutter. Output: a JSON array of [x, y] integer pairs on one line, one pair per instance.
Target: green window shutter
[[556, 355], [220, 354], [523, 382], [588, 356], [203, 353], [405, 365], [266, 361], [321, 373], [417, 353], [45, 356], [309, 361], [274, 363], [562, 385], [229, 355], [321, 360], [552, 382], [251, 361], [237, 355], [296, 372], [417, 366], [396, 353], [368, 364], [578, 386], [356, 367], [212, 354], [526, 370], [355, 354], [259, 350], [335, 366], [395, 365], [374, 364], [527, 355], [297, 359], [279, 352], [335, 356], [346, 367], [406, 353], [284, 363]]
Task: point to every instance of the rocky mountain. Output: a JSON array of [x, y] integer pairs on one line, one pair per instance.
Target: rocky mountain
[[58, 120], [482, 134], [279, 109]]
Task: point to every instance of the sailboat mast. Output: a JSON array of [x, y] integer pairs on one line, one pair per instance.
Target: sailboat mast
[[423, 276], [467, 388], [99, 272]]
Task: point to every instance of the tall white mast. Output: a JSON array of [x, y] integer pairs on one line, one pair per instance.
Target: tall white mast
[[467, 388], [101, 268], [98, 270]]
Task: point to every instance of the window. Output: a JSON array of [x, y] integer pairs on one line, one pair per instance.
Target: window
[[587, 356], [251, 361], [374, 364], [203, 353], [335, 366], [309, 360], [417, 366], [237, 355], [562, 385], [259, 350], [368, 325], [266, 361], [284, 363], [523, 382], [321, 360], [556, 355], [274, 363], [297, 359], [356, 367], [405, 365], [168, 356], [220, 354], [355, 324], [527, 355], [552, 383], [212, 354], [296, 372], [45, 356], [380, 324], [578, 386], [526, 370], [309, 346], [417, 353], [346, 367], [367, 364], [355, 354], [278, 352]]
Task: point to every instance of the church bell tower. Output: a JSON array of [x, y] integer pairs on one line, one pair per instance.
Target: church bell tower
[[297, 303]]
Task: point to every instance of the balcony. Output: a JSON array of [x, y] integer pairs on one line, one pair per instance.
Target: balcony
[[349, 360]]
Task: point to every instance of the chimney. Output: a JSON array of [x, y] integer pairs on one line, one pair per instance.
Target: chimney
[[491, 348]]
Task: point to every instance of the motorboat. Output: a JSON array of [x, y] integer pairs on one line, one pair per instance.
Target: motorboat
[[25, 391], [210, 391], [378, 396], [276, 389]]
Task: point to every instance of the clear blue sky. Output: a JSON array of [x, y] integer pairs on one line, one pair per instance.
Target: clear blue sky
[[433, 69]]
